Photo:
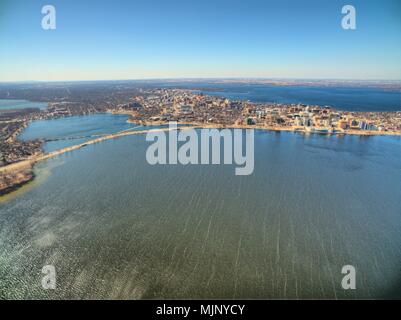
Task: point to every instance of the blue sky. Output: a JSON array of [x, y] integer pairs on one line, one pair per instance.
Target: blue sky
[[199, 38]]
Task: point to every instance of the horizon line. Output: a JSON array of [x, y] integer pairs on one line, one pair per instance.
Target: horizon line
[[202, 78]]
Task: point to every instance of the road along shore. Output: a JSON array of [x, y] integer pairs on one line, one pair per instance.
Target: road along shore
[[15, 175]]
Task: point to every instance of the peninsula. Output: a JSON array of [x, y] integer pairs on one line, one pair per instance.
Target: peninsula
[[147, 105]]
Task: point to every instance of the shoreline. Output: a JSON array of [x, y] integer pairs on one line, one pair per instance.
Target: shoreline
[[266, 128], [18, 174], [27, 177]]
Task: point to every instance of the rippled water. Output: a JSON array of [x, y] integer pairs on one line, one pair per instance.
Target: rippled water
[[116, 227]]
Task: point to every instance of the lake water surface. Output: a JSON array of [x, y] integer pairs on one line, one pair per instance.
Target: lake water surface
[[350, 98], [116, 227]]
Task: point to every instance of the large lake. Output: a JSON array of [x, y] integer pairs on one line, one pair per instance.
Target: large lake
[[350, 98], [116, 227]]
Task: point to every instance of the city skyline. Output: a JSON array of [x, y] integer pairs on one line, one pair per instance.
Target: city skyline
[[183, 40]]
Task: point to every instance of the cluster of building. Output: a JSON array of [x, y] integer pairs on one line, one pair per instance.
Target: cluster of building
[[324, 119], [163, 105], [185, 106], [13, 149]]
